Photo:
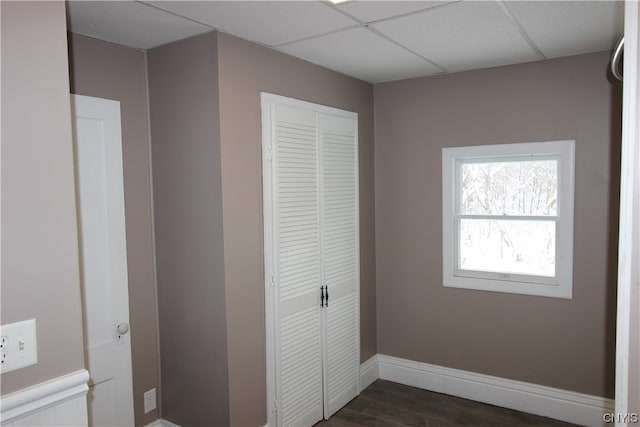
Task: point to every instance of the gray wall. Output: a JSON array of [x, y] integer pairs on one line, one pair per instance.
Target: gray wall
[[183, 99], [567, 344], [111, 71], [246, 69], [40, 272], [192, 264]]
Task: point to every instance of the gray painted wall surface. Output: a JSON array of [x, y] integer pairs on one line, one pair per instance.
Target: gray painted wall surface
[[246, 70], [40, 273], [116, 72], [185, 135], [567, 344]]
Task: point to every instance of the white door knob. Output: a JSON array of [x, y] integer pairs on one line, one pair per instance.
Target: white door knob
[[123, 328]]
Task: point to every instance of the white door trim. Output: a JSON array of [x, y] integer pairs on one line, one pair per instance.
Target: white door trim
[[628, 250], [270, 306]]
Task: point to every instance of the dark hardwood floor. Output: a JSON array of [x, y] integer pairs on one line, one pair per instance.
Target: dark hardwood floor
[[385, 403]]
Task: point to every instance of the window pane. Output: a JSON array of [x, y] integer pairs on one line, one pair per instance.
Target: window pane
[[508, 246], [509, 188]]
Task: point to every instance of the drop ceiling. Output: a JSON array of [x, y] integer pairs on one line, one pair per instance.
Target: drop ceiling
[[375, 41]]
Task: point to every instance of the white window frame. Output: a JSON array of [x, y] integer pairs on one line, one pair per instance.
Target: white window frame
[[559, 286]]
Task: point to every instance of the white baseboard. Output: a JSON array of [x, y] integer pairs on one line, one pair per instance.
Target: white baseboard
[[368, 372], [550, 402], [162, 423], [60, 401]]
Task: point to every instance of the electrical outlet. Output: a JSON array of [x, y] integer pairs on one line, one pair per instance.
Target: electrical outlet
[[18, 345], [150, 400]]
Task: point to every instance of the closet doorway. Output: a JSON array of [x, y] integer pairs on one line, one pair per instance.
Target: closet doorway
[[311, 245]]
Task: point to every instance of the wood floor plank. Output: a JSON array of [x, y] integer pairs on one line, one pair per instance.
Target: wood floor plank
[[388, 404]]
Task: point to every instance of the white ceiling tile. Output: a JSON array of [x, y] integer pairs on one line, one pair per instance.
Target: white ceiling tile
[[129, 23], [563, 28], [270, 23], [362, 54], [461, 36], [374, 10]]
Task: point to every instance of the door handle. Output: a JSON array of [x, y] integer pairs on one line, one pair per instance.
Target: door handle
[[123, 328], [326, 296], [615, 59]]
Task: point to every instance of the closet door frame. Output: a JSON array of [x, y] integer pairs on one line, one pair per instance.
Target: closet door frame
[[271, 304]]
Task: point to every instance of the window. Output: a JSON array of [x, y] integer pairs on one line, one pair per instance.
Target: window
[[507, 218]]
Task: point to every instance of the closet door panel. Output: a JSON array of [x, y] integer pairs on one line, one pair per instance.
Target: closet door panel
[[301, 362], [297, 271], [339, 224], [342, 354]]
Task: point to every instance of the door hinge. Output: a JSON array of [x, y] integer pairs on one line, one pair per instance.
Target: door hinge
[[272, 281], [270, 154], [274, 409]]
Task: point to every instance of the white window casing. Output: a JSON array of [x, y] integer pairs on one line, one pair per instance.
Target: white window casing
[[557, 283]]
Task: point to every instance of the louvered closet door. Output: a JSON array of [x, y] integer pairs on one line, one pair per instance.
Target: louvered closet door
[[297, 266], [339, 225]]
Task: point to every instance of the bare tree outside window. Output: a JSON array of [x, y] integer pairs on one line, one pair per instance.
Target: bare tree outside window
[[491, 191]]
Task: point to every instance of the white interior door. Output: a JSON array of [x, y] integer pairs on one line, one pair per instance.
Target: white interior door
[[340, 259], [100, 193]]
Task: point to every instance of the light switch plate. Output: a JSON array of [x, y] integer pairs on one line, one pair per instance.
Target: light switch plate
[[19, 346]]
